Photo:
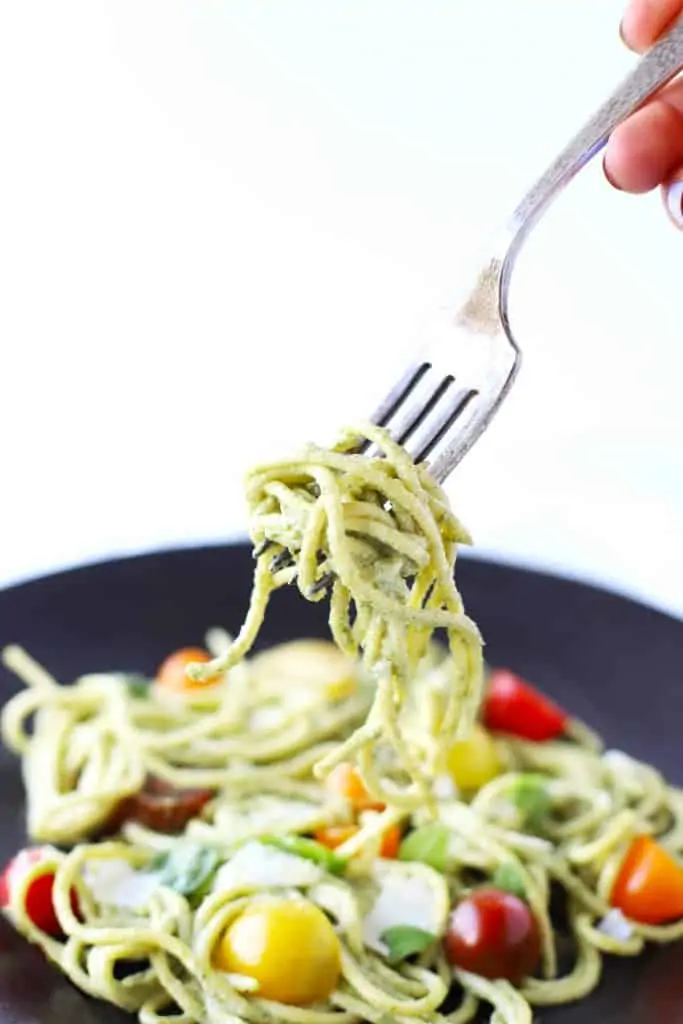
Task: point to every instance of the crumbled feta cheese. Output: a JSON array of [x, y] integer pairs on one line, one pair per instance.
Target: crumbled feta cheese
[[403, 899], [444, 787], [256, 864], [269, 717], [263, 813], [615, 925], [115, 883]]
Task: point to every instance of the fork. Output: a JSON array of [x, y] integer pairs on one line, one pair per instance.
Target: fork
[[449, 393]]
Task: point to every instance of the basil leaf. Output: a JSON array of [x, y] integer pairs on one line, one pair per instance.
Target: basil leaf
[[530, 794], [404, 940], [188, 868], [509, 878], [309, 850], [137, 685], [428, 845]]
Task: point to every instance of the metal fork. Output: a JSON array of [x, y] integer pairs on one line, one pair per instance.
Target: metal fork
[[447, 396]]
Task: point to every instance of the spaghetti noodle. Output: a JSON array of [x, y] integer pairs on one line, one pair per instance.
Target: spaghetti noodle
[[298, 836]]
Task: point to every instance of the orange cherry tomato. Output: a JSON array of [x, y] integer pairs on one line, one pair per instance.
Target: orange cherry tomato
[[172, 674], [649, 885], [345, 780], [335, 835]]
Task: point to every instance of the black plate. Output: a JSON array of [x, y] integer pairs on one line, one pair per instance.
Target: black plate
[[614, 663]]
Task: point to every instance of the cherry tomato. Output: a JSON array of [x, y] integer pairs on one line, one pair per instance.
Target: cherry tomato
[[513, 706], [164, 808], [335, 835], [345, 780], [172, 675], [38, 902], [288, 946], [308, 664], [474, 762], [494, 934], [649, 884]]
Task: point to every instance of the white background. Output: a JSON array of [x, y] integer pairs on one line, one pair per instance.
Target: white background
[[209, 207]]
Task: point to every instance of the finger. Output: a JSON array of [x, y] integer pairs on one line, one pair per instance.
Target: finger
[[646, 20], [672, 194], [647, 148]]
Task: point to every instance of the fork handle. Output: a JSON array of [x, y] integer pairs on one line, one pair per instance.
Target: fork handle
[[659, 65]]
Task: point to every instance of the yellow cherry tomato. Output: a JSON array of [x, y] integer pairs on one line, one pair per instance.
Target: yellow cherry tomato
[[309, 664], [288, 946], [474, 762]]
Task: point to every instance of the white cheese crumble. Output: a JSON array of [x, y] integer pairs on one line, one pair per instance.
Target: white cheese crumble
[[266, 718], [263, 814], [115, 883], [444, 788], [615, 925], [256, 864], [402, 900]]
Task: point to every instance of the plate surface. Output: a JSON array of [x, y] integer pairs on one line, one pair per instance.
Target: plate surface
[[614, 663]]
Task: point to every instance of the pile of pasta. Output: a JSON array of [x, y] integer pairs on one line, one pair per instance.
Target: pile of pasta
[[322, 833], [213, 876]]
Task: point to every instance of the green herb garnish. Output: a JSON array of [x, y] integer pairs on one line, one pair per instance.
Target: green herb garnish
[[137, 685], [308, 849], [404, 940], [428, 845], [509, 878], [188, 869], [531, 796]]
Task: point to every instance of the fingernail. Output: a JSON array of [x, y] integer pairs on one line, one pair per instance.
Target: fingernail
[[609, 177], [672, 195], [621, 33]]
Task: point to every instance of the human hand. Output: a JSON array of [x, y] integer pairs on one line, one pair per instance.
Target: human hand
[[647, 149]]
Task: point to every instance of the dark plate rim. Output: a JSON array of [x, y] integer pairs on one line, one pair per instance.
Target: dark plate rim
[[96, 564]]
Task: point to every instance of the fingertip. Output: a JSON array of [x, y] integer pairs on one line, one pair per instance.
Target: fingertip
[[642, 151], [644, 21], [633, 29], [624, 166]]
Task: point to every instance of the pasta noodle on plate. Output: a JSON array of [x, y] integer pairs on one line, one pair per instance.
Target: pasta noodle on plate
[[329, 833]]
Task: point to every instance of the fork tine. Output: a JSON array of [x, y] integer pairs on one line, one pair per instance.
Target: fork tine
[[421, 406], [398, 394], [435, 427]]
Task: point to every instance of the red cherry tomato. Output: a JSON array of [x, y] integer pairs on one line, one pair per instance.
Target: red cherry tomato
[[513, 706], [38, 902], [493, 934]]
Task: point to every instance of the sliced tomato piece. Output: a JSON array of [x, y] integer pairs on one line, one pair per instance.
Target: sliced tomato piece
[[345, 780], [334, 835], [164, 808], [159, 806]]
